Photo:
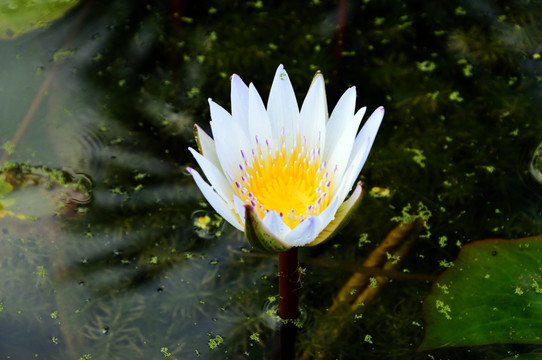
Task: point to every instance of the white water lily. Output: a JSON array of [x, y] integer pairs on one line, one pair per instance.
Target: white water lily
[[279, 173]]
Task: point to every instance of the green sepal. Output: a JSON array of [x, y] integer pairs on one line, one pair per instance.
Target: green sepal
[[258, 236], [344, 213]]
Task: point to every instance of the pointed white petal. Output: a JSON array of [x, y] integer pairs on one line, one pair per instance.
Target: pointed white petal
[[338, 155], [352, 171], [258, 120], [276, 225], [206, 145], [313, 115], [221, 207], [368, 133], [282, 108], [341, 114], [360, 151], [239, 101], [230, 140], [215, 176]]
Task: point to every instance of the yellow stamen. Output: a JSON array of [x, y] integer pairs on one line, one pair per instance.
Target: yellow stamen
[[293, 183]]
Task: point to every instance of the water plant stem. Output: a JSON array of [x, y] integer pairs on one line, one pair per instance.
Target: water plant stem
[[289, 285]]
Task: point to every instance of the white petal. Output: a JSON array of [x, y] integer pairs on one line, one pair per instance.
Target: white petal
[[341, 114], [239, 101], [338, 155], [258, 120], [368, 132], [207, 146], [230, 141], [360, 151], [215, 176], [309, 229], [282, 108], [313, 115], [303, 233], [221, 207], [276, 225]]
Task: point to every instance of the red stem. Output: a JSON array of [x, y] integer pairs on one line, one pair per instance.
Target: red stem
[[289, 284]]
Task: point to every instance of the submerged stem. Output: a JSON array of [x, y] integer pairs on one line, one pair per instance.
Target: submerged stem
[[289, 284]]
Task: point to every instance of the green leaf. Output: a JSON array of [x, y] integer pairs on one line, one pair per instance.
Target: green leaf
[[532, 356], [493, 294], [18, 17]]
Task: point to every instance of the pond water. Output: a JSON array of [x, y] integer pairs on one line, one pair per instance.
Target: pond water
[[108, 250]]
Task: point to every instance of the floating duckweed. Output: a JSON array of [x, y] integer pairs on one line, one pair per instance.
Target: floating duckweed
[[467, 68], [368, 339], [379, 192], [41, 271], [419, 157], [207, 224], [536, 287], [363, 239], [394, 258], [62, 54], [54, 314], [445, 263], [518, 291], [85, 357], [255, 337], [455, 96], [54, 339], [444, 288], [460, 11], [373, 282], [215, 342], [192, 93], [442, 241], [379, 21], [9, 147], [433, 95], [164, 350], [426, 66], [443, 309]]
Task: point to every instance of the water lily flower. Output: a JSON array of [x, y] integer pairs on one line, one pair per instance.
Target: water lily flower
[[281, 174]]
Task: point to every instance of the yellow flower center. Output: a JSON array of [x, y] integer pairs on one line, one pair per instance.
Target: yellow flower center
[[293, 183]]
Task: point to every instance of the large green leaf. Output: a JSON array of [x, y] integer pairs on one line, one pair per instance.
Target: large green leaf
[[532, 356], [493, 294], [18, 17]]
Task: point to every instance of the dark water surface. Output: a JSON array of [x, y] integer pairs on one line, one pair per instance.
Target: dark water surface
[[106, 97]]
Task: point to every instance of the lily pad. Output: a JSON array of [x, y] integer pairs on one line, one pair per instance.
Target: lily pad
[[17, 17], [525, 357], [493, 294]]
